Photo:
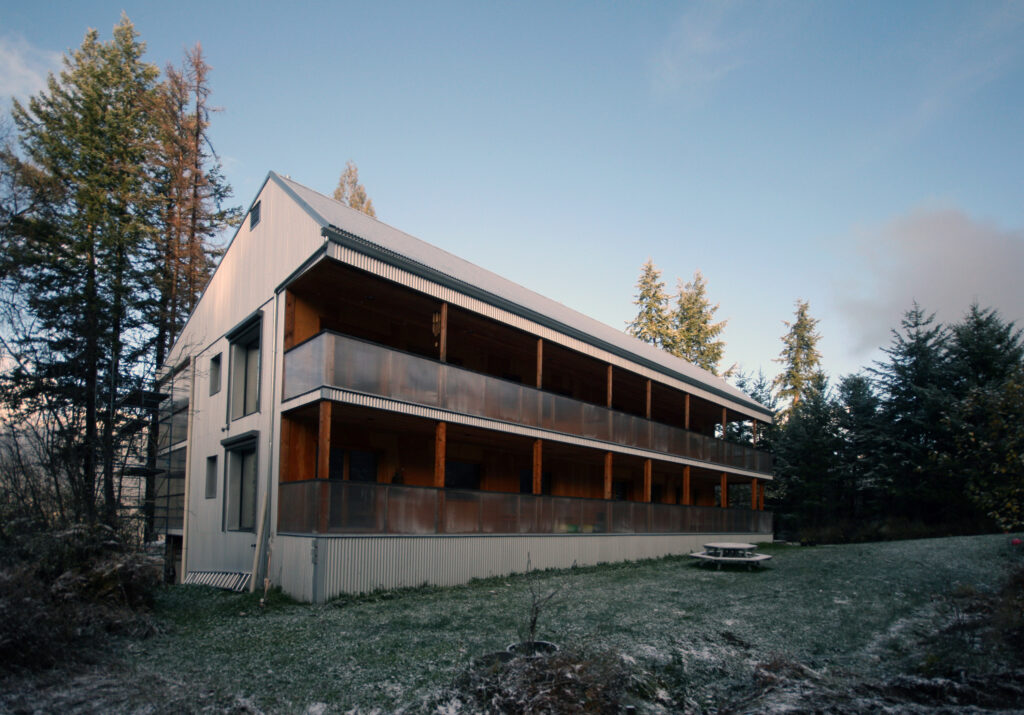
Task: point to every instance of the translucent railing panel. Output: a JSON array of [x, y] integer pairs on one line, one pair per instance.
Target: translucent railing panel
[[342, 507], [340, 361]]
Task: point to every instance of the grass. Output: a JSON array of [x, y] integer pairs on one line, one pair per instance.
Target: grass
[[705, 638]]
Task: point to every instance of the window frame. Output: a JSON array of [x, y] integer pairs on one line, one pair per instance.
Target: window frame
[[241, 363], [235, 507]]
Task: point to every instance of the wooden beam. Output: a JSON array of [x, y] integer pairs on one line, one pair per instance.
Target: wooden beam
[[323, 444], [540, 363], [753, 494], [724, 422], [440, 443], [647, 401], [648, 468], [608, 398], [443, 337], [686, 410], [538, 446], [607, 475], [687, 497], [725, 491]]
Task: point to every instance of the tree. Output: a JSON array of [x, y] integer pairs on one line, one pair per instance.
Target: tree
[[694, 337], [192, 192], [857, 420], [351, 193], [913, 384], [651, 324], [74, 261], [799, 357]]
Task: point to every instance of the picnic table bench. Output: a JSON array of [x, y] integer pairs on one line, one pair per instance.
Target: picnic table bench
[[730, 553]]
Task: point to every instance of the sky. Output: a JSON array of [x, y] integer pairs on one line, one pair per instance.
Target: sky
[[858, 155]]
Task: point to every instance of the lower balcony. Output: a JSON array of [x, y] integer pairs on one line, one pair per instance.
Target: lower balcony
[[345, 507]]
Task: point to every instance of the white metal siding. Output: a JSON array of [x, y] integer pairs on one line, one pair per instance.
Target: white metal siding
[[359, 564]]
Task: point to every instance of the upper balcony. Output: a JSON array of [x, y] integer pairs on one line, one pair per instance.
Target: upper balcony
[[334, 360]]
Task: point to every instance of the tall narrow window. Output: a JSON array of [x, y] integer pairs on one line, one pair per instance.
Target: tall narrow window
[[211, 477], [254, 215], [240, 510], [245, 373], [215, 374]]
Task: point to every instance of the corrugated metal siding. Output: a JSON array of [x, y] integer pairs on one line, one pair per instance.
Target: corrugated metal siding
[[367, 563], [228, 580]]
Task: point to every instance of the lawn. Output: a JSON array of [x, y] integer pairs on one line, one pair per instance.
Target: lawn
[[846, 622]]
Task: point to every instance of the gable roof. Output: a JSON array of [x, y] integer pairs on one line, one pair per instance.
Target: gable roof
[[399, 248]]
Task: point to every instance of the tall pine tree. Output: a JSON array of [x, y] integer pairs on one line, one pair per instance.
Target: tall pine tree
[[800, 358], [694, 334], [351, 193], [77, 258], [652, 323]]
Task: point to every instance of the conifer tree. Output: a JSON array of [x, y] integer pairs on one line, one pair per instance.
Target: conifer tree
[[652, 323], [694, 335], [76, 259], [351, 193], [800, 358]]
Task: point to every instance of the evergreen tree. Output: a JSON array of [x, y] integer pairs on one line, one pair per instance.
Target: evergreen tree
[[857, 420], [694, 337], [983, 350], [799, 357], [75, 260], [652, 322], [351, 193], [913, 383]]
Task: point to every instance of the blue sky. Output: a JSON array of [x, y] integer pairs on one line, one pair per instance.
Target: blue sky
[[857, 155]]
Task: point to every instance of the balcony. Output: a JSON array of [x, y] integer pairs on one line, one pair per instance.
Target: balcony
[[341, 507], [334, 360]]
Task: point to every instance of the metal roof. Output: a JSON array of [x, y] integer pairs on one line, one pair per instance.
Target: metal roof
[[331, 214]]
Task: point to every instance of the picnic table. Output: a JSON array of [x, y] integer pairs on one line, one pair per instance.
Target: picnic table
[[726, 552]]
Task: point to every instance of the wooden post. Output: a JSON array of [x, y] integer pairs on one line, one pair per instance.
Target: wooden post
[[648, 468], [443, 337], [440, 443], [687, 499], [607, 475], [760, 497], [686, 410], [323, 445], [725, 491], [540, 363], [724, 422], [538, 446], [753, 494], [647, 401], [608, 398]]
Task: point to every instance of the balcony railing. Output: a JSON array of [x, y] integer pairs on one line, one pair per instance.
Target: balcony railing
[[340, 507], [340, 361]]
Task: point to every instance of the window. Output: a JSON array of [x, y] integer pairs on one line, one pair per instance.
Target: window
[[245, 372], [240, 508], [215, 374], [211, 477], [254, 215]]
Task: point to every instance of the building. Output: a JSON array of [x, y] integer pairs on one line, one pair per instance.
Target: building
[[350, 408]]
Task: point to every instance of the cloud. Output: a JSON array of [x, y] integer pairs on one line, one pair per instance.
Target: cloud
[[24, 68], [943, 259], [700, 51]]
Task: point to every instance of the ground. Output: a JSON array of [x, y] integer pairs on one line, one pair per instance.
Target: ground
[[914, 626]]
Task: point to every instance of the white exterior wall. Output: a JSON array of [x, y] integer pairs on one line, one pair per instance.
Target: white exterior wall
[[317, 569], [242, 287]]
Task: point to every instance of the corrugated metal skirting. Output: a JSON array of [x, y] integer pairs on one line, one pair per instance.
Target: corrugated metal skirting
[[317, 569]]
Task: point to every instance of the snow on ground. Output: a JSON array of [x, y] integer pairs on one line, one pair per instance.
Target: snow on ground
[[816, 620]]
